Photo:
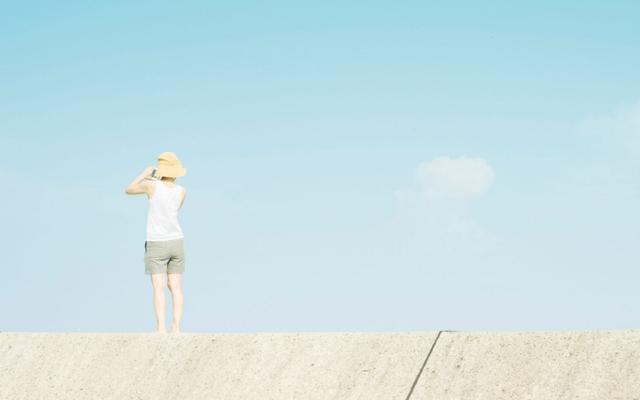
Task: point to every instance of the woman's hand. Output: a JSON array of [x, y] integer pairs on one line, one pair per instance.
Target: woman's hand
[[148, 171]]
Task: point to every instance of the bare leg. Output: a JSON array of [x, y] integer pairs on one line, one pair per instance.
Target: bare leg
[[175, 286], [158, 301]]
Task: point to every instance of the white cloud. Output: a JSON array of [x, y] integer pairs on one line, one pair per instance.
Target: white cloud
[[437, 206], [454, 178], [620, 128]]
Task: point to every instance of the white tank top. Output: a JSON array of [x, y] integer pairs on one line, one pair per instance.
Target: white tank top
[[162, 219]]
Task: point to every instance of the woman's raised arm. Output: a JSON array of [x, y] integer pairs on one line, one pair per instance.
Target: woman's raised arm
[[139, 185]]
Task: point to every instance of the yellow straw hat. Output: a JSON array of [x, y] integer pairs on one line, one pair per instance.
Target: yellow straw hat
[[169, 165]]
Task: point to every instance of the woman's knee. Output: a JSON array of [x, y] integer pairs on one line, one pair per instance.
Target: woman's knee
[[158, 281], [173, 284]]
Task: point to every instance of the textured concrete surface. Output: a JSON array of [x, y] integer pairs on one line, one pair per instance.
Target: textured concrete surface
[[227, 366], [544, 365]]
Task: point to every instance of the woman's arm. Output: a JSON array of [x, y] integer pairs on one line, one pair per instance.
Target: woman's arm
[[184, 194], [139, 185]]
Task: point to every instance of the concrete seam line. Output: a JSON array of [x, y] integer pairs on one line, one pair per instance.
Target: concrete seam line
[[424, 364]]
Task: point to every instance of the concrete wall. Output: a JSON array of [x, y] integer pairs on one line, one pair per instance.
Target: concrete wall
[[344, 365], [545, 366], [229, 366]]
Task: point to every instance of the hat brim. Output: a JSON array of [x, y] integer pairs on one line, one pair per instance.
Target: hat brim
[[171, 171]]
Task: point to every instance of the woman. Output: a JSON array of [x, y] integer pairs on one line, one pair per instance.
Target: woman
[[164, 247]]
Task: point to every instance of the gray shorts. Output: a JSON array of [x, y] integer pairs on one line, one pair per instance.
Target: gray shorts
[[166, 256]]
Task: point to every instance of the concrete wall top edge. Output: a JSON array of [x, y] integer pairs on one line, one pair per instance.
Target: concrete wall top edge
[[219, 333], [469, 332]]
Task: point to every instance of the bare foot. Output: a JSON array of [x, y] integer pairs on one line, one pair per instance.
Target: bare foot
[[175, 329], [161, 330]]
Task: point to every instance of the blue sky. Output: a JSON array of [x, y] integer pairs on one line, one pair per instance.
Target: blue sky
[[369, 166]]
